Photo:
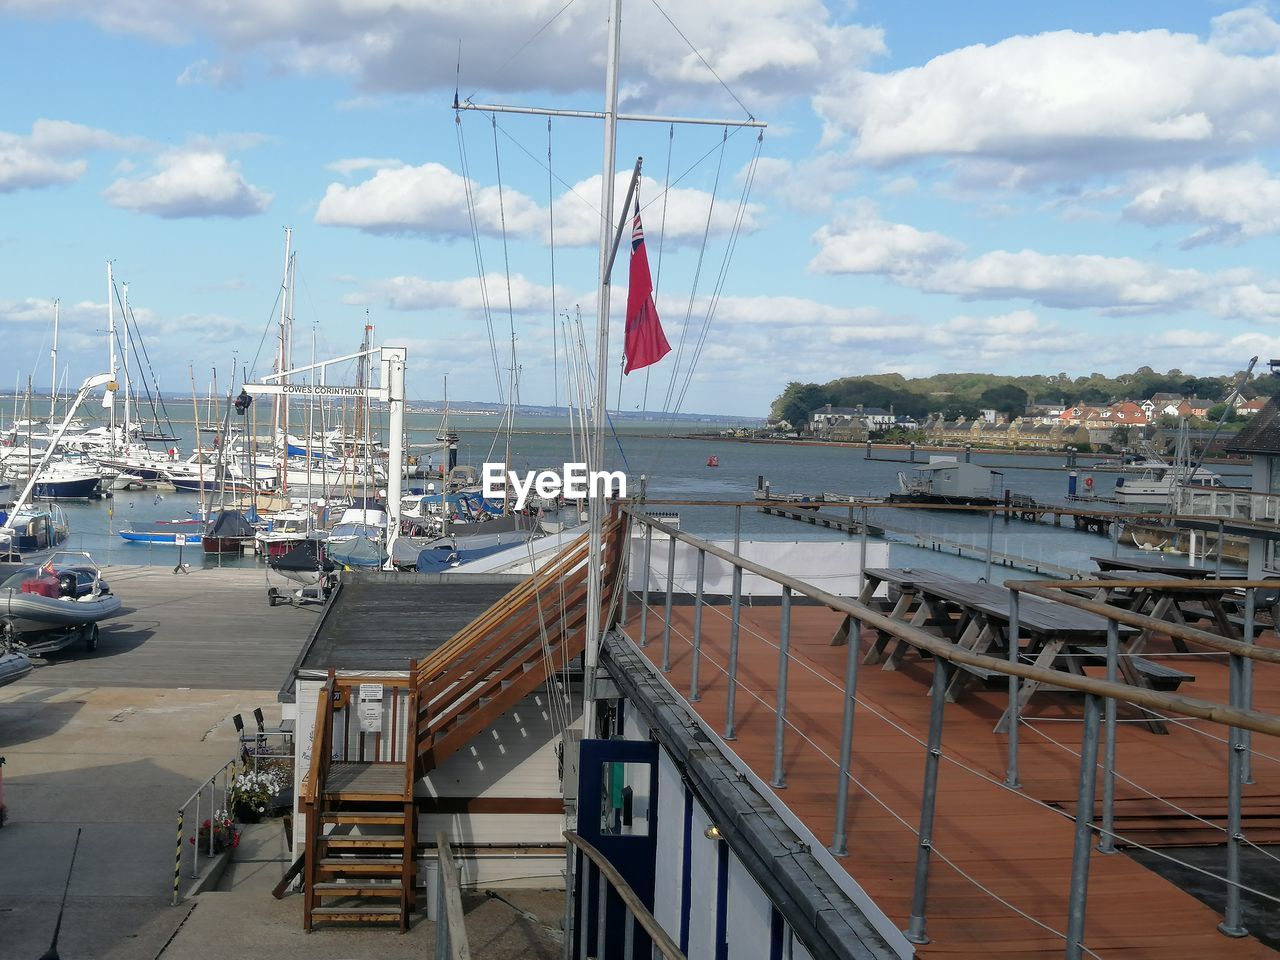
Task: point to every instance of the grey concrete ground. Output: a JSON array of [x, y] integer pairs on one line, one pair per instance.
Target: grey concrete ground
[[112, 742]]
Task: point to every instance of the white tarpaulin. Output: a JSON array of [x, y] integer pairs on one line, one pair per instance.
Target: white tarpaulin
[[832, 565]]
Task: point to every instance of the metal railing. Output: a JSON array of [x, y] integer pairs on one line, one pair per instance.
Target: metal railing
[[946, 657], [211, 785], [594, 867]]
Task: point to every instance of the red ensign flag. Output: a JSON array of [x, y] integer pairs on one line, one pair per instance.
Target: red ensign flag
[[645, 342]]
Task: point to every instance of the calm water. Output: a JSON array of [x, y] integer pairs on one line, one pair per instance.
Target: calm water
[[677, 469]]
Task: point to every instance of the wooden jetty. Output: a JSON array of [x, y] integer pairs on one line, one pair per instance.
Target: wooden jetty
[[819, 519]]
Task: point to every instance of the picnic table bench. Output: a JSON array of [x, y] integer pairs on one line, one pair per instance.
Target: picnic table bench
[[976, 617]]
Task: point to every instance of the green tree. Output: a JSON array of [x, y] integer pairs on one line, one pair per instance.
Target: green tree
[[798, 401], [1007, 398]]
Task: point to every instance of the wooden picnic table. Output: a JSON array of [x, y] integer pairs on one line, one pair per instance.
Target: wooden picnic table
[[1167, 602], [975, 616], [1182, 571]]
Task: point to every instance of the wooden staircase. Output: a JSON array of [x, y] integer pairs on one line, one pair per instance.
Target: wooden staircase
[[500, 658], [361, 820], [361, 831]]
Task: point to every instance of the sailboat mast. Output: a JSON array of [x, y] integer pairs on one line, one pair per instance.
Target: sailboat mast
[[595, 505], [53, 364], [110, 398], [124, 317], [280, 406]]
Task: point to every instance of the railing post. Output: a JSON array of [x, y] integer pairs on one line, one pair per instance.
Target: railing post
[[991, 538], [840, 842], [919, 896], [694, 695], [1232, 924], [195, 857], [1115, 538], [177, 859], [1011, 774], [1217, 564], [862, 554], [666, 622], [737, 528], [1107, 841], [779, 780], [570, 922], [628, 934], [602, 911], [624, 573], [644, 591], [1246, 696], [735, 621], [442, 911], [1079, 893]]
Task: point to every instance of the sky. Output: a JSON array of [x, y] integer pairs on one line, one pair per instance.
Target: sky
[[993, 187]]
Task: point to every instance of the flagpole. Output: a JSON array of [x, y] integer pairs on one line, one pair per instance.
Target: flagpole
[[595, 505]]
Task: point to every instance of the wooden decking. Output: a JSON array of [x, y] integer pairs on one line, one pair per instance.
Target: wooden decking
[[1014, 846], [364, 781]]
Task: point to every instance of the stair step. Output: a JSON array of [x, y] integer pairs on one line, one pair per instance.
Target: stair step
[[379, 842], [390, 888], [360, 865], [394, 818], [375, 914]]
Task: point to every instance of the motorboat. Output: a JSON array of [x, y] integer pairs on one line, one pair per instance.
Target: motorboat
[[31, 530], [165, 532], [305, 564], [46, 607], [284, 531], [407, 550]]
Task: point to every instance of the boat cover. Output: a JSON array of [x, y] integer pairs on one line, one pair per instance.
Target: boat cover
[[439, 559], [229, 523], [308, 555]]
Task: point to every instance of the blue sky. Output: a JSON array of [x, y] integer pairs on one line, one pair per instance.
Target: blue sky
[[1013, 188]]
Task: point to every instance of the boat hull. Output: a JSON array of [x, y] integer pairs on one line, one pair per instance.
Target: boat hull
[[27, 613], [14, 665], [82, 488]]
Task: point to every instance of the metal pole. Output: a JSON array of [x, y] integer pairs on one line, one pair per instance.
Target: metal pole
[[779, 780], [644, 591], [1217, 565], [601, 912], [840, 842], [624, 574], [1232, 924], [1011, 774], [177, 859], [991, 538], [1115, 538], [862, 554], [694, 695], [1246, 696], [737, 529], [735, 619], [628, 934], [937, 702], [1079, 894], [666, 621], [1107, 842], [195, 859], [570, 923]]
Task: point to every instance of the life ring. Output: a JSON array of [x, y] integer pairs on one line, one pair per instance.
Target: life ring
[[1088, 483]]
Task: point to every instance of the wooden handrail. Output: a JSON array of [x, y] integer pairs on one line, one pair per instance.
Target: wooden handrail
[[1054, 591], [1139, 696], [660, 938], [320, 739]]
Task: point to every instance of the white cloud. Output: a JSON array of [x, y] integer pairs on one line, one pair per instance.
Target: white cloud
[[190, 183], [1232, 203], [763, 49], [862, 242], [859, 241], [351, 165], [429, 199], [432, 199], [1062, 104], [48, 155], [207, 74], [1246, 30]]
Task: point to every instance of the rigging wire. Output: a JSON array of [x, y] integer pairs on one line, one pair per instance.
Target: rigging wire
[[478, 251], [698, 54], [551, 224], [519, 50], [662, 242], [697, 273]]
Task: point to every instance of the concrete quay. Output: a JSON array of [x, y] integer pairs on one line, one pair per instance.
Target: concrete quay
[[113, 741]]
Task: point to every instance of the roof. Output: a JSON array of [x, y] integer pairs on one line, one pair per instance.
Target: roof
[[378, 624], [1261, 434], [843, 411]]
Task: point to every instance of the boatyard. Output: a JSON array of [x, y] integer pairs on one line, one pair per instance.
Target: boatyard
[[112, 742]]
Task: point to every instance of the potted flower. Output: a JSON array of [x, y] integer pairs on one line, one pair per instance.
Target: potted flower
[[251, 794], [217, 834]]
